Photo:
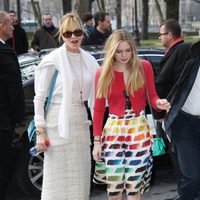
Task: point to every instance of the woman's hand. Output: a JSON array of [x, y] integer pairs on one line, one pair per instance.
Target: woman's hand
[[97, 152], [163, 104], [42, 141]]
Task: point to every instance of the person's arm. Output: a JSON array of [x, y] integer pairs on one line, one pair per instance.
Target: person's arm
[[157, 103], [149, 76], [43, 78], [99, 109]]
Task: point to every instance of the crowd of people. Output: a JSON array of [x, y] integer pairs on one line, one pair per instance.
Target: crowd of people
[[122, 147]]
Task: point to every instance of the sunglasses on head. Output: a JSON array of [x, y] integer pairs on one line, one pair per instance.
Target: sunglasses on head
[[77, 33]]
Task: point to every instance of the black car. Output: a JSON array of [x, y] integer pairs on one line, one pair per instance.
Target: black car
[[29, 170]]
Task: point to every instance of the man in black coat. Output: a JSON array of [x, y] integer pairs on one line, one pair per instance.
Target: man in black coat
[[171, 65], [19, 40], [182, 124], [12, 104]]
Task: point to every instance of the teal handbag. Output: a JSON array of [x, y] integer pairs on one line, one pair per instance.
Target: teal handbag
[[31, 127], [158, 148]]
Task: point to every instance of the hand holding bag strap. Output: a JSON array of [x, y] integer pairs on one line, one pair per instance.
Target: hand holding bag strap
[[158, 147]]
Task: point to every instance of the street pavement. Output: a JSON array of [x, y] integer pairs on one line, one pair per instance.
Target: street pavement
[[163, 187]]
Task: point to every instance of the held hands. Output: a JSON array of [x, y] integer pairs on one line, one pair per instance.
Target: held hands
[[42, 140], [163, 104]]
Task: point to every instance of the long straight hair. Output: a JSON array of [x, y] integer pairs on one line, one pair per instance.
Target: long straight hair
[[135, 79]]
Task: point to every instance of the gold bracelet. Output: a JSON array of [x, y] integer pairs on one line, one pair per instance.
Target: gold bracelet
[[97, 142], [97, 137], [39, 130]]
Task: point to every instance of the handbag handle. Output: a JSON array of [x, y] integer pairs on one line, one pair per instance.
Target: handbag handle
[[148, 97], [51, 90]]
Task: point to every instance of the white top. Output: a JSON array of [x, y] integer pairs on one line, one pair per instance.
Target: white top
[[82, 78], [192, 104], [65, 90]]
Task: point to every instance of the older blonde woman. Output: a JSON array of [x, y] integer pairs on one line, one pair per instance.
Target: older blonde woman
[[67, 158], [125, 144]]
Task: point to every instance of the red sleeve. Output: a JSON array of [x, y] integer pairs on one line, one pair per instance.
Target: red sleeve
[[99, 109], [148, 70]]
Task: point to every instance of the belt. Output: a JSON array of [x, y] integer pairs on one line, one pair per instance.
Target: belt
[[196, 117]]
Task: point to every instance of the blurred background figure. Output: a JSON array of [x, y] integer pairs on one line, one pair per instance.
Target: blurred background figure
[[88, 22], [47, 36], [19, 40], [101, 30]]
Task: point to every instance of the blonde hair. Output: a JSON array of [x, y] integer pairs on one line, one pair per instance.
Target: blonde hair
[[135, 79], [68, 21]]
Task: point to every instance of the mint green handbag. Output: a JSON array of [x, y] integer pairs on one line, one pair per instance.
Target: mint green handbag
[[158, 148]]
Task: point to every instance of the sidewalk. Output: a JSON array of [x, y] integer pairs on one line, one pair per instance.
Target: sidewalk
[[163, 187]]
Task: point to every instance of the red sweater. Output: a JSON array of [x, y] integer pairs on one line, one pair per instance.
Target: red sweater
[[116, 100]]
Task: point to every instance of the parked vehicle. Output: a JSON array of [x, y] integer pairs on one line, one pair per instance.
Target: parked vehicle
[[29, 170]]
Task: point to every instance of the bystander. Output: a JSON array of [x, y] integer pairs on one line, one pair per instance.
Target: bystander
[[47, 36], [181, 132], [88, 22], [11, 100], [19, 40], [101, 30]]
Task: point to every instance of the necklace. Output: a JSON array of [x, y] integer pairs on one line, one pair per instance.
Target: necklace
[[80, 82]]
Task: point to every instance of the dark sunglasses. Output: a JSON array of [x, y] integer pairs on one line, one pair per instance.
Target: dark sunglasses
[[160, 34], [77, 33]]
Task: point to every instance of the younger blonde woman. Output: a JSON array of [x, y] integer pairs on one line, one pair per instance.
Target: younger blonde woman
[[125, 144]]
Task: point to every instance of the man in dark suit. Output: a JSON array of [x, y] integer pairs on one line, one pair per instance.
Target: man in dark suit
[[172, 65], [176, 55], [182, 125], [11, 100]]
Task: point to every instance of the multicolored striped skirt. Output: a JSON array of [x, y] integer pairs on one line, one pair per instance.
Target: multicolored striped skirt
[[126, 154]]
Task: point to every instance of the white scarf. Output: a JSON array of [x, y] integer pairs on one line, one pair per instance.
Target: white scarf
[[59, 59]]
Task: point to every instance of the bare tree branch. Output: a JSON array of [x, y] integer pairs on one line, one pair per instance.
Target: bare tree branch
[[36, 11], [103, 5], [6, 5], [118, 11], [161, 17]]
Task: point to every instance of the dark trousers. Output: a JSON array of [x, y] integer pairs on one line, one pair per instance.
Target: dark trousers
[[186, 137], [6, 136]]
